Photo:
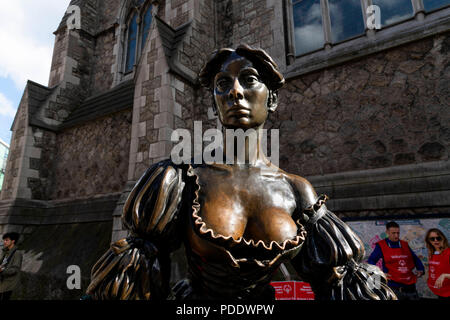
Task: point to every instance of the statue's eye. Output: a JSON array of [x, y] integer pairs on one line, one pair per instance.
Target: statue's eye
[[222, 83], [251, 79]]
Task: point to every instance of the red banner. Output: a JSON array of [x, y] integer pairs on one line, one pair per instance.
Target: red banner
[[292, 290]]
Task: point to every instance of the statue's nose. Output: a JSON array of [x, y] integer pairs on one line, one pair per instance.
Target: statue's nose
[[236, 91]]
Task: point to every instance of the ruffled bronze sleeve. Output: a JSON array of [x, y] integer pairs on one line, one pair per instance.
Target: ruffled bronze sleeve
[[137, 268], [330, 260]]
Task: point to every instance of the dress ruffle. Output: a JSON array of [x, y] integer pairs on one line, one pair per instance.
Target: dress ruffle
[[244, 250]]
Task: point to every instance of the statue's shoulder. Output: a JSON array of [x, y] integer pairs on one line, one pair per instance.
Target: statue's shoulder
[[153, 202], [304, 189], [159, 173]]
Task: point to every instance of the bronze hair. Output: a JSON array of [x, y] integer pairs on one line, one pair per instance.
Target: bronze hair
[[265, 65]]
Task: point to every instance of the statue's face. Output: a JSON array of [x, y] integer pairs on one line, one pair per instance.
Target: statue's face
[[240, 95]]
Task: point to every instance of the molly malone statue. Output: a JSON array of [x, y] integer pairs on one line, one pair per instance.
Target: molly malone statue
[[238, 222]]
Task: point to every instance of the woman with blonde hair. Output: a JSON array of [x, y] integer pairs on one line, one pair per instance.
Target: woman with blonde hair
[[439, 263]]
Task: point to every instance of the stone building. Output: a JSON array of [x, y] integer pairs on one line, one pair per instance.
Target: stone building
[[4, 149], [364, 114]]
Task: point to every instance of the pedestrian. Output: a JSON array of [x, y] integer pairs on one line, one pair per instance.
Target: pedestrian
[[11, 262], [438, 263], [399, 262]]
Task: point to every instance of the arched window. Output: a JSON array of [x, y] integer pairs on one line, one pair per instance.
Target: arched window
[[131, 43], [138, 27], [146, 22]]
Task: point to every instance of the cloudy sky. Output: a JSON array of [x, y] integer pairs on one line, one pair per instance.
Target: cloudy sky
[[26, 47]]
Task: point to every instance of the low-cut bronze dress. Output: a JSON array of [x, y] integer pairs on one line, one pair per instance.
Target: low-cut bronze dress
[[168, 206]]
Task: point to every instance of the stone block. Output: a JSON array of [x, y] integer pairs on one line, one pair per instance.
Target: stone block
[[177, 110], [142, 129], [164, 134], [164, 119], [160, 149]]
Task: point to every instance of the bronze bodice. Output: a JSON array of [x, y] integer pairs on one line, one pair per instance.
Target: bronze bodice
[[231, 223]]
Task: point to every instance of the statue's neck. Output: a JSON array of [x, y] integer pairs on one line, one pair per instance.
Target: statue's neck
[[244, 147]]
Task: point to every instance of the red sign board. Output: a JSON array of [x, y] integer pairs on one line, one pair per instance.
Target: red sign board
[[292, 290]]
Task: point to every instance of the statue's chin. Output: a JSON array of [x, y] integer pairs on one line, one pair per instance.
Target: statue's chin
[[242, 123]]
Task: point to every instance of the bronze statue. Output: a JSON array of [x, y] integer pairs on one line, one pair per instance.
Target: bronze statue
[[239, 221]]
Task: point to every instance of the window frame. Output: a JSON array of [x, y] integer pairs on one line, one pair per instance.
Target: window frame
[[127, 39], [370, 41], [140, 10]]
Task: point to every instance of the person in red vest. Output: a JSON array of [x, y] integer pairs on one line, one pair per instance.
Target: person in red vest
[[399, 262], [438, 263]]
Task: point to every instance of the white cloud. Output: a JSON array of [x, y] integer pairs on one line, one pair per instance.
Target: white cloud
[[309, 34], [308, 38], [6, 107], [24, 60], [314, 13], [26, 38]]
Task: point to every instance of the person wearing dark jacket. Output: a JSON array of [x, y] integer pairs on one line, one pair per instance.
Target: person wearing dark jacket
[[10, 264], [399, 262]]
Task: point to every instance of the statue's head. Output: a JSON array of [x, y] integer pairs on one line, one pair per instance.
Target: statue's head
[[244, 83]]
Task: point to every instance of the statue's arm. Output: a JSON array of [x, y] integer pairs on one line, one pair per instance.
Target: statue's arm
[[138, 267], [330, 259]]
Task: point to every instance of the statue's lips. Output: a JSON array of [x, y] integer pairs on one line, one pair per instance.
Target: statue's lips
[[238, 110]]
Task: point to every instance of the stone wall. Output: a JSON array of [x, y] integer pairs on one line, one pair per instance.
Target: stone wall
[[258, 23], [146, 108], [108, 11], [251, 23], [390, 108], [200, 42], [41, 185], [104, 58], [163, 100], [92, 159], [48, 251], [176, 12], [11, 179], [70, 82], [56, 69]]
